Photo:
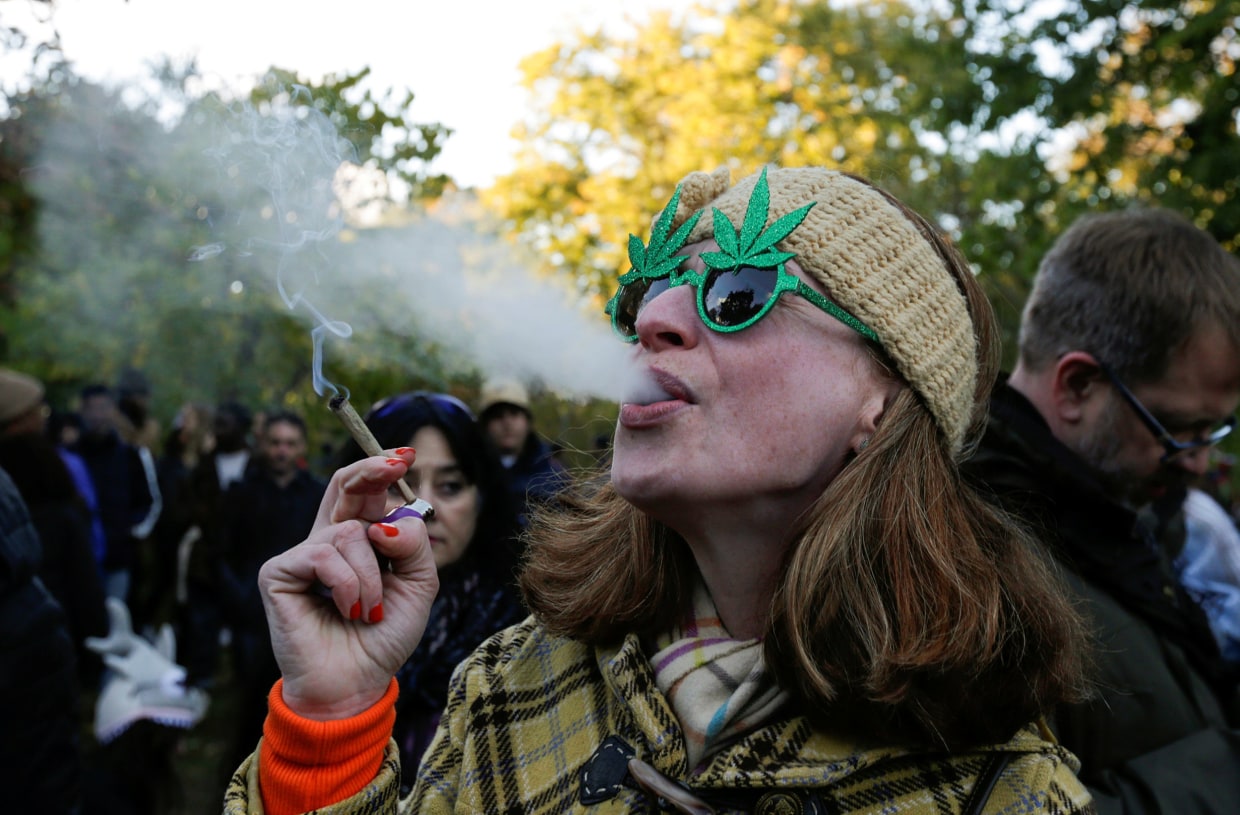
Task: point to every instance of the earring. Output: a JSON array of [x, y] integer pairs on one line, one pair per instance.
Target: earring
[[864, 444]]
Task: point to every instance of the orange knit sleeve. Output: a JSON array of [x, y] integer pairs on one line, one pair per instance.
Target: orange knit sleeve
[[305, 764]]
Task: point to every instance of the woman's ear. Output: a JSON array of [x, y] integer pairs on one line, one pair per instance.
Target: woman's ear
[[872, 413]]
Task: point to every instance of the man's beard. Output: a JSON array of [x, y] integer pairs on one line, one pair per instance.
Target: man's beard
[[1102, 450]]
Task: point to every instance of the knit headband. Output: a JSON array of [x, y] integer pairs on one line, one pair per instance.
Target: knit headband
[[873, 262]]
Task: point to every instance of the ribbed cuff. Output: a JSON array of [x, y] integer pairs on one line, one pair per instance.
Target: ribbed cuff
[[304, 764]]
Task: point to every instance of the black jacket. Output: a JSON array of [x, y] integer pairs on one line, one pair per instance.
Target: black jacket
[[1160, 734], [124, 494], [259, 520], [40, 759]]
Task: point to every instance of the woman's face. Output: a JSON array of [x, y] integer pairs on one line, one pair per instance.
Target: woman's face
[[436, 477], [751, 425]]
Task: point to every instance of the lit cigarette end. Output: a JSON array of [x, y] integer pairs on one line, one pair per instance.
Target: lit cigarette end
[[357, 428]]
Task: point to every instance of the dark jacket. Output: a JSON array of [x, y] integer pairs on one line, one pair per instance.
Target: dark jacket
[[1160, 734], [535, 477], [40, 758], [124, 494], [67, 565], [201, 503], [259, 521]]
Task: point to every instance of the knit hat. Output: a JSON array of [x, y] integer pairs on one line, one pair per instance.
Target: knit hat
[[18, 394], [873, 262]]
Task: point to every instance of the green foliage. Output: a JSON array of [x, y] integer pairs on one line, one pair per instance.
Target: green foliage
[[999, 125], [375, 125], [155, 232]]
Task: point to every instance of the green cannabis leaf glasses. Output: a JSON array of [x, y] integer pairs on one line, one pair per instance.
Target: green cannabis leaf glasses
[[742, 281]]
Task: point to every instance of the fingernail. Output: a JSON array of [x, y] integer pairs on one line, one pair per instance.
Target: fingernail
[[376, 613], [388, 530], [399, 461], [402, 451], [356, 611]]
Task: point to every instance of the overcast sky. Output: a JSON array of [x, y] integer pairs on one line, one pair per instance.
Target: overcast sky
[[459, 57]]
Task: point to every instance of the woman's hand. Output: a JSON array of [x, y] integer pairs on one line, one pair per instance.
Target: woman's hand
[[338, 655]]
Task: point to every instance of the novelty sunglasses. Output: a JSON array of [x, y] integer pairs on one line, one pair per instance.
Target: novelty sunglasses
[[728, 300], [742, 281]]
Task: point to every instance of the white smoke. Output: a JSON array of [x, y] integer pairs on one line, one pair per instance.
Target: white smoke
[[439, 278]]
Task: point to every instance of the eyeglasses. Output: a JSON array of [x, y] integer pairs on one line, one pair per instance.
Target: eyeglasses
[[728, 300], [1172, 447], [437, 401]]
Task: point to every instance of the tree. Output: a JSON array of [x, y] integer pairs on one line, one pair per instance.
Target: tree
[[135, 233], [960, 109], [1144, 95], [619, 120]]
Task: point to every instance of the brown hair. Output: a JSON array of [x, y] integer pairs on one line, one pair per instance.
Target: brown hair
[[909, 608], [1130, 288]]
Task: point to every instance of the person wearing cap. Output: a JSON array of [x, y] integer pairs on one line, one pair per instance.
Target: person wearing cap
[[1128, 374], [61, 516], [533, 473], [22, 405], [781, 595]]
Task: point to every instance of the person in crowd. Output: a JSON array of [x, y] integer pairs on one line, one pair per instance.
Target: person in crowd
[[62, 428], [533, 472], [781, 596], [187, 441], [59, 515], [133, 410], [269, 510], [1128, 372], [65, 428], [472, 537], [127, 496], [223, 465], [40, 749]]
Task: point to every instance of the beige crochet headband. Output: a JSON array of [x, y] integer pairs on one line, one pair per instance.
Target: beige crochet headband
[[873, 262]]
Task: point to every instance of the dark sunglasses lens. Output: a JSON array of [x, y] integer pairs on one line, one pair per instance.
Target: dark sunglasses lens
[[634, 297], [734, 298]]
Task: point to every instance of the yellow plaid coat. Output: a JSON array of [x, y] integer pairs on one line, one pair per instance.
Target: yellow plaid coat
[[528, 713]]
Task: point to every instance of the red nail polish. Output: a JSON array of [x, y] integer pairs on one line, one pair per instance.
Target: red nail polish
[[376, 613], [401, 451], [356, 611], [388, 530], [395, 461]]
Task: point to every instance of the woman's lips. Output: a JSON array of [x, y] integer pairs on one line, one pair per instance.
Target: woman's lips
[[633, 415], [659, 395]]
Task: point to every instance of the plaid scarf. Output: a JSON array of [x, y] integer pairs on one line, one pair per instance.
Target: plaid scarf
[[718, 687]]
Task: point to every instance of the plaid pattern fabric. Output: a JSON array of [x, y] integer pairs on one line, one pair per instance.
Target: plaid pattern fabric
[[528, 710], [717, 686]]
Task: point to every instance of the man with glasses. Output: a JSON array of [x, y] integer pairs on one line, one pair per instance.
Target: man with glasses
[[1128, 374]]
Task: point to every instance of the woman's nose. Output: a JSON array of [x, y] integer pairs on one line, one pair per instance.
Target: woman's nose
[[669, 320]]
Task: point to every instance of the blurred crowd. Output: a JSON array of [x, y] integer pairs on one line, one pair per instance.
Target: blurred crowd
[[143, 546]]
